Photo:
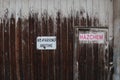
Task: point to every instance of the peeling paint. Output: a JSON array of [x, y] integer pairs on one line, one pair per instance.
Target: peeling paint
[[21, 21]]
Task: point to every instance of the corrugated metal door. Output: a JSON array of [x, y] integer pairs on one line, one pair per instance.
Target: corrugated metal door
[[91, 58], [22, 21], [21, 60]]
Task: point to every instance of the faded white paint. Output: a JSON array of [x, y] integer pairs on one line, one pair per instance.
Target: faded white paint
[[100, 9], [97, 8]]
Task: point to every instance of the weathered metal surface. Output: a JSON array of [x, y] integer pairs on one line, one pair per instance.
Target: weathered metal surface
[[92, 60], [116, 40], [22, 21]]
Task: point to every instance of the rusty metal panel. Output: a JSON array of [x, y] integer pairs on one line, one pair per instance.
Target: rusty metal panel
[[2, 68], [92, 60], [22, 21]]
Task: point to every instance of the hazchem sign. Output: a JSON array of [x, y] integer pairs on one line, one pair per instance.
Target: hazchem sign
[[46, 43], [97, 37]]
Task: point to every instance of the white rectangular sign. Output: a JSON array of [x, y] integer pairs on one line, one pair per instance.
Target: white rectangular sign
[[46, 43], [97, 37]]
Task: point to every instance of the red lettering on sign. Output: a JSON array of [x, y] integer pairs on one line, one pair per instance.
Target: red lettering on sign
[[92, 37], [81, 36], [101, 37]]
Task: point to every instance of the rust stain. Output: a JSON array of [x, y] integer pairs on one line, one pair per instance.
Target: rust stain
[[23, 61]]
